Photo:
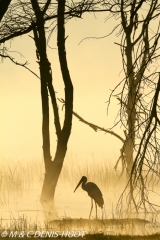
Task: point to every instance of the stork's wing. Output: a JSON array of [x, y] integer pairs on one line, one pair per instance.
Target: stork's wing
[[95, 193]]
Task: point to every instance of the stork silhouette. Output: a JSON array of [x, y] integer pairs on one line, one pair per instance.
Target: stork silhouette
[[93, 191]]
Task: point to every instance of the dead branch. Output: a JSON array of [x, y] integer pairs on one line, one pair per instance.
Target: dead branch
[[95, 127], [19, 64]]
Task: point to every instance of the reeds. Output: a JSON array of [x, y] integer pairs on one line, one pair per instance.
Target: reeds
[[16, 178], [19, 177], [99, 171]]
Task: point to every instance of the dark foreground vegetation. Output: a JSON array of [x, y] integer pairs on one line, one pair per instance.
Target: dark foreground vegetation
[[95, 229], [96, 236], [120, 237]]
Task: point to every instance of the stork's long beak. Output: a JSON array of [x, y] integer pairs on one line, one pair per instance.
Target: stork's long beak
[[78, 184]]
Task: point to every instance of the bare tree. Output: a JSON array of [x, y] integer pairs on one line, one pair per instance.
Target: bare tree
[[139, 101], [145, 172], [139, 49], [38, 13], [52, 166]]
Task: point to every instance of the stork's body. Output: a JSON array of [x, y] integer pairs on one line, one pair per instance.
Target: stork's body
[[93, 191]]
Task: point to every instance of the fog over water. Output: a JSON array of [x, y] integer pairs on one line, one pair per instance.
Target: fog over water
[[95, 66]]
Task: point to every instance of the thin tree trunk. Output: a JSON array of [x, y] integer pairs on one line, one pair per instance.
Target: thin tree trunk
[[131, 111], [132, 86], [52, 175], [53, 168]]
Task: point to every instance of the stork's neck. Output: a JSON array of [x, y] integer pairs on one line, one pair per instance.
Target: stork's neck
[[84, 186]]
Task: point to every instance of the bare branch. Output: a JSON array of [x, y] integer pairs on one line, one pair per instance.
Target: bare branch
[[19, 64], [95, 127]]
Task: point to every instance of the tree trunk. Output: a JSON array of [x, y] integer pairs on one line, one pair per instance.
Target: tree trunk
[[132, 88], [53, 168], [130, 107], [50, 182]]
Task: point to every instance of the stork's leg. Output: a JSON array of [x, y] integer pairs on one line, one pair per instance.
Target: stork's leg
[[91, 207], [96, 209]]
